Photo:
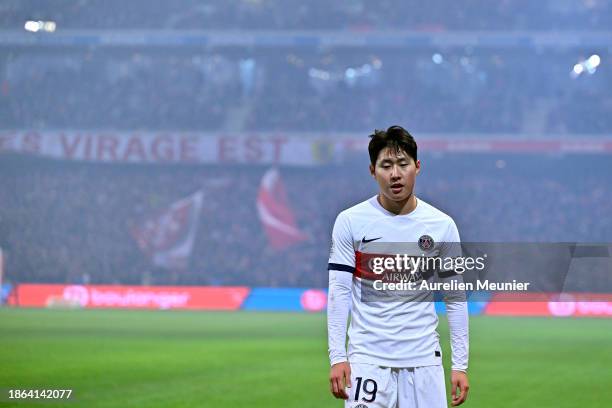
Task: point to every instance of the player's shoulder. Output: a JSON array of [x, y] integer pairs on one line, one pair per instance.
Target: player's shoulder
[[356, 216], [362, 209], [433, 214]]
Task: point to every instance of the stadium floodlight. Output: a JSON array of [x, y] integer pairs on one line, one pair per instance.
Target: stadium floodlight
[[437, 58], [32, 26], [592, 63], [35, 26], [49, 26], [594, 60], [589, 65], [578, 69]]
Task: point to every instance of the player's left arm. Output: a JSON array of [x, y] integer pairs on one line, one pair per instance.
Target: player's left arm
[[458, 321]]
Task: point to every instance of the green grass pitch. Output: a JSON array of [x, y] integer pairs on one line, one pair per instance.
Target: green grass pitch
[[113, 358]]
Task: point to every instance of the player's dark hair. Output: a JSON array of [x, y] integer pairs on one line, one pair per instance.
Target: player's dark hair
[[396, 137]]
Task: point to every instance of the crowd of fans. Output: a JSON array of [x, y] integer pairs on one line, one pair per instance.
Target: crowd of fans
[[70, 223], [480, 94], [433, 15], [343, 90], [96, 91]]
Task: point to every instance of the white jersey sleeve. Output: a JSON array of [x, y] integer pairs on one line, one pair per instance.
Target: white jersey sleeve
[[341, 268], [456, 306], [342, 252]]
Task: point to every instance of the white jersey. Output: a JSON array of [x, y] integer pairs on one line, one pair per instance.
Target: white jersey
[[399, 333]]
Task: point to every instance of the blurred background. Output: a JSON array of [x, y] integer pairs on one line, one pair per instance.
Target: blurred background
[[113, 111], [210, 144]]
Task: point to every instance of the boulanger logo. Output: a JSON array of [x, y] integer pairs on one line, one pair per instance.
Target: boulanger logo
[[426, 242], [76, 294]]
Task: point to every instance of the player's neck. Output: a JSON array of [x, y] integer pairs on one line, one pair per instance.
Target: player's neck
[[398, 207]]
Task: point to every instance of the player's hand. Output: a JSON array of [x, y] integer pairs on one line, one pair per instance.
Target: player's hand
[[340, 377], [459, 380]]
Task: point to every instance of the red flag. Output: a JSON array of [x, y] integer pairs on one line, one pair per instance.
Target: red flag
[[275, 214], [168, 237]]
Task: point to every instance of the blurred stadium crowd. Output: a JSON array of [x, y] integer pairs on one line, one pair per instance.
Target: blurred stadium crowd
[[68, 222], [316, 14], [486, 92], [470, 89]]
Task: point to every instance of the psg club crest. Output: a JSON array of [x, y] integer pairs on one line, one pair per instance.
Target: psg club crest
[[426, 242]]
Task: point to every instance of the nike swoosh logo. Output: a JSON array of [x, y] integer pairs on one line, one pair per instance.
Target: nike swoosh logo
[[365, 241]]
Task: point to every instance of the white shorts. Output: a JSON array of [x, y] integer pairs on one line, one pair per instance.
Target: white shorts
[[373, 386]]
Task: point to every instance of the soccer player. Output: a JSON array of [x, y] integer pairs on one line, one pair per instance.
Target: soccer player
[[394, 357]]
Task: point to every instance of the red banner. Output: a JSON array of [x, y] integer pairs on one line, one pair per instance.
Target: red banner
[[512, 144], [129, 297], [289, 148], [566, 304], [163, 147]]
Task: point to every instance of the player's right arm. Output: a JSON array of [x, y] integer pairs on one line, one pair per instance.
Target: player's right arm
[[341, 269]]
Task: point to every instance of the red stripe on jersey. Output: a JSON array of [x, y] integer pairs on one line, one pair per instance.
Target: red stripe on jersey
[[363, 269]]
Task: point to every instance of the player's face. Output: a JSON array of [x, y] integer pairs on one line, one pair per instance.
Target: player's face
[[395, 173]]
